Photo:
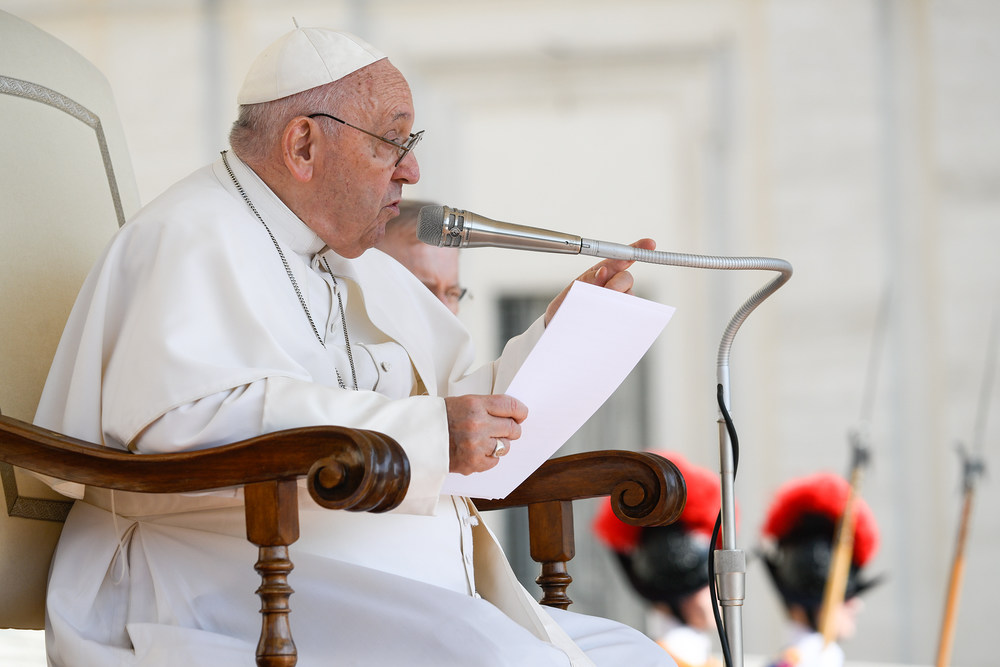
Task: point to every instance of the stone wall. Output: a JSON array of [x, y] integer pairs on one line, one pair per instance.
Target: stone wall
[[857, 139]]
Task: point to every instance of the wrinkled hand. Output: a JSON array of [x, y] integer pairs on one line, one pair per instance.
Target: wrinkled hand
[[610, 273], [475, 423]]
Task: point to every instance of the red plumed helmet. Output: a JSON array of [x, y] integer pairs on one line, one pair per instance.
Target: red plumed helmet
[[822, 494]]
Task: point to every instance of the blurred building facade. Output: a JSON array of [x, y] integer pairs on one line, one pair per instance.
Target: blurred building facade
[[855, 138]]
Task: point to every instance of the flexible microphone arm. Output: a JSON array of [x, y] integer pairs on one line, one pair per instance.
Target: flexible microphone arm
[[450, 227], [729, 562]]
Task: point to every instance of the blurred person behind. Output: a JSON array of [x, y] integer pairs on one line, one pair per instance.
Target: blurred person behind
[[799, 532], [436, 267]]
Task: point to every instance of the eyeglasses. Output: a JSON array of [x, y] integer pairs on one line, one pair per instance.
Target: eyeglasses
[[451, 295], [403, 149], [456, 294]]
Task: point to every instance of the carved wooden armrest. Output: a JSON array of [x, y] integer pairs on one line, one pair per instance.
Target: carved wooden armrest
[[348, 469], [645, 490]]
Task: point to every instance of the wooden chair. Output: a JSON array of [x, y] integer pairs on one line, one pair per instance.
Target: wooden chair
[[64, 194]]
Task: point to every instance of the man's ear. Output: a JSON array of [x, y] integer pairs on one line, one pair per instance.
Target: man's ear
[[298, 149]]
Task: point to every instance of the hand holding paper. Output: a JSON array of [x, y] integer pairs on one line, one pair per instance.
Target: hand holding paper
[[588, 348]]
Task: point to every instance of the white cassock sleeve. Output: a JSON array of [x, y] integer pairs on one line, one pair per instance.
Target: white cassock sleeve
[[273, 404], [418, 423]]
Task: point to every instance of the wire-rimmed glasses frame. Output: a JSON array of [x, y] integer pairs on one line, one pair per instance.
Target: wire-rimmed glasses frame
[[403, 149], [456, 295]]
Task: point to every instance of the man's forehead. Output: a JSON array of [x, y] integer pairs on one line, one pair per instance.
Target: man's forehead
[[380, 90]]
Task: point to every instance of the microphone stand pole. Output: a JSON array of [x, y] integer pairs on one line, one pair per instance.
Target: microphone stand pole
[[729, 562]]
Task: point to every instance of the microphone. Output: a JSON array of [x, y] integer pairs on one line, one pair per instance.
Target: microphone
[[449, 227], [454, 228]]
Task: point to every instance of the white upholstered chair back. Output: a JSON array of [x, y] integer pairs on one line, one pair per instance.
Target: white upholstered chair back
[[66, 184]]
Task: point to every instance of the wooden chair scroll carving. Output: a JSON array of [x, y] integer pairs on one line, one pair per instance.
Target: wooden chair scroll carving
[[645, 490], [346, 469]]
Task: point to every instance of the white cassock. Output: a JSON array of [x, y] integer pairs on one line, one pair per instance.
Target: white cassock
[[189, 334]]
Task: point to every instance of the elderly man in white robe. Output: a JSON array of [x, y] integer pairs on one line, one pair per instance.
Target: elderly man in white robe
[[246, 299]]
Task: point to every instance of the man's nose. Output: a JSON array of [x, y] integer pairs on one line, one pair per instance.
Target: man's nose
[[407, 171]]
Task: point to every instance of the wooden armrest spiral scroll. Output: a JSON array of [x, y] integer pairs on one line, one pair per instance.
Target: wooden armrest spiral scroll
[[645, 489], [370, 476]]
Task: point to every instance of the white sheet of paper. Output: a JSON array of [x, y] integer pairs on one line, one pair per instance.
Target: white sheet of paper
[[594, 341]]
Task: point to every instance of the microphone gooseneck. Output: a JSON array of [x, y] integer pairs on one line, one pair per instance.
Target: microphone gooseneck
[[455, 228]]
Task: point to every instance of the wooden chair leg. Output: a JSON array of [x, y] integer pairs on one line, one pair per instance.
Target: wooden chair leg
[[552, 544], [272, 524]]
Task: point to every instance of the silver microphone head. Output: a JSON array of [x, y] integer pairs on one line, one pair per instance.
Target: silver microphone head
[[454, 228], [432, 225]]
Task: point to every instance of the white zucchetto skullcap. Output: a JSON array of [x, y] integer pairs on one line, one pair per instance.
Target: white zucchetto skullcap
[[302, 59]]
